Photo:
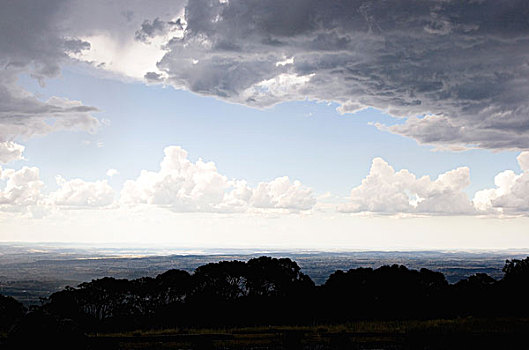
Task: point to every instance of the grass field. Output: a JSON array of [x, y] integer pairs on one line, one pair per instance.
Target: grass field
[[463, 333]]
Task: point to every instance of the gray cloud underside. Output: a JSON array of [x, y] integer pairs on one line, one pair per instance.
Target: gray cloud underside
[[33, 43], [464, 63]]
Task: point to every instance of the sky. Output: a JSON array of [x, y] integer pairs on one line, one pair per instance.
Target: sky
[[266, 124]]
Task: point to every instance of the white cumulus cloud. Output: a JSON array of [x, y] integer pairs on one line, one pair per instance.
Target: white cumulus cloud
[[282, 193], [10, 151], [112, 172], [22, 189], [511, 195], [78, 193], [182, 185], [387, 191]]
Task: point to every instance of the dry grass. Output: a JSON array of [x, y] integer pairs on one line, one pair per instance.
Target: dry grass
[[396, 327]]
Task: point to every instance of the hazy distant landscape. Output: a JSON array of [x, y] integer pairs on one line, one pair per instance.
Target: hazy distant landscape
[[32, 271]]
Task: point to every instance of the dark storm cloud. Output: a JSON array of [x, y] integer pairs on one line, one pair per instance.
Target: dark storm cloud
[[153, 77], [463, 63], [31, 42], [76, 46], [150, 29]]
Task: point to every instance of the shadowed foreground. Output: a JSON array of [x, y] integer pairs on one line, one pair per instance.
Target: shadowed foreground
[[269, 303], [434, 334]]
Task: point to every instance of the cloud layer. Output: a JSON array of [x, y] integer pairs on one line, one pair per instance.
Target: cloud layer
[[386, 191], [181, 185], [461, 63], [456, 71]]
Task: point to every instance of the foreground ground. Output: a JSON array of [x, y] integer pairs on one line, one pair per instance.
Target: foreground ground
[[463, 333]]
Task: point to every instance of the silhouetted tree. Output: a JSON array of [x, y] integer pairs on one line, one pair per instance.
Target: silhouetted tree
[[516, 271], [473, 296], [172, 286], [275, 277], [268, 290], [222, 281], [513, 287], [10, 311], [386, 292]]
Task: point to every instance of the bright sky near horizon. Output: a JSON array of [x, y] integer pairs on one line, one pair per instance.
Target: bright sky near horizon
[[301, 124]]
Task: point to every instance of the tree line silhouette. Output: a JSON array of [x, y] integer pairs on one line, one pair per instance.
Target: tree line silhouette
[[266, 291]]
